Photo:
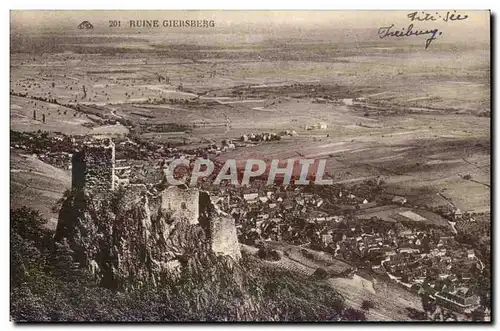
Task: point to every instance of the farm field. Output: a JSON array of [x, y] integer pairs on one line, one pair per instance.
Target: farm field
[[36, 184], [416, 140]]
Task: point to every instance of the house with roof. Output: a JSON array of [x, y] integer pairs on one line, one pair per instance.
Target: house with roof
[[398, 199], [251, 197], [461, 300]]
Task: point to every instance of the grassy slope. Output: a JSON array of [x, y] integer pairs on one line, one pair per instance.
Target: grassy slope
[[37, 185]]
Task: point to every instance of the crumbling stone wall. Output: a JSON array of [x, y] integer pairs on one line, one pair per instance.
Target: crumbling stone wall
[[181, 202], [223, 237], [93, 168]]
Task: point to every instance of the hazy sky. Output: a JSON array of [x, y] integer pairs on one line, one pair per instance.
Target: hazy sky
[[475, 27]]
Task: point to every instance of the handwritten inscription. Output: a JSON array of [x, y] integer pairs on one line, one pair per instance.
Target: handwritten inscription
[[412, 31], [424, 16], [387, 31]]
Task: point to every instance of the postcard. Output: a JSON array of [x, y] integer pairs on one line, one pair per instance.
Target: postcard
[[257, 166]]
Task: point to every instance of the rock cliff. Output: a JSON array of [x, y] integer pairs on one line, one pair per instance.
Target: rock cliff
[[133, 238]]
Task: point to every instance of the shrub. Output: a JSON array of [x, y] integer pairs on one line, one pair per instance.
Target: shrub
[[268, 254], [352, 314], [320, 273], [367, 305]]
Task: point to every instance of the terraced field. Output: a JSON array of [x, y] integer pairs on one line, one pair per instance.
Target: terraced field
[[391, 301]]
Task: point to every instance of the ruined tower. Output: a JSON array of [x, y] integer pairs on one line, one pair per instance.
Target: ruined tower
[[182, 202], [93, 167]]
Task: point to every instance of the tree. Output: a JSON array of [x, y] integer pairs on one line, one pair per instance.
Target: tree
[[352, 314], [482, 286], [478, 314], [367, 305], [63, 264], [320, 273], [30, 226], [262, 253], [416, 314], [428, 304], [415, 288]]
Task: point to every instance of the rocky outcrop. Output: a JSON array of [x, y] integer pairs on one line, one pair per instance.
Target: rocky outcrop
[[132, 238], [223, 237]]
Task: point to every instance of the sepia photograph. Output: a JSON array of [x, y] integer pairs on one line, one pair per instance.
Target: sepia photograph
[[250, 166]]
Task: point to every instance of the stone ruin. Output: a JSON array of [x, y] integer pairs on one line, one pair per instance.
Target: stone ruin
[[129, 234], [223, 237], [182, 203], [93, 167]]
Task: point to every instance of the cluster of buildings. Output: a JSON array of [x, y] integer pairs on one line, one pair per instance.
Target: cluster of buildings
[[420, 259], [297, 214], [257, 137], [55, 150], [316, 126]]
